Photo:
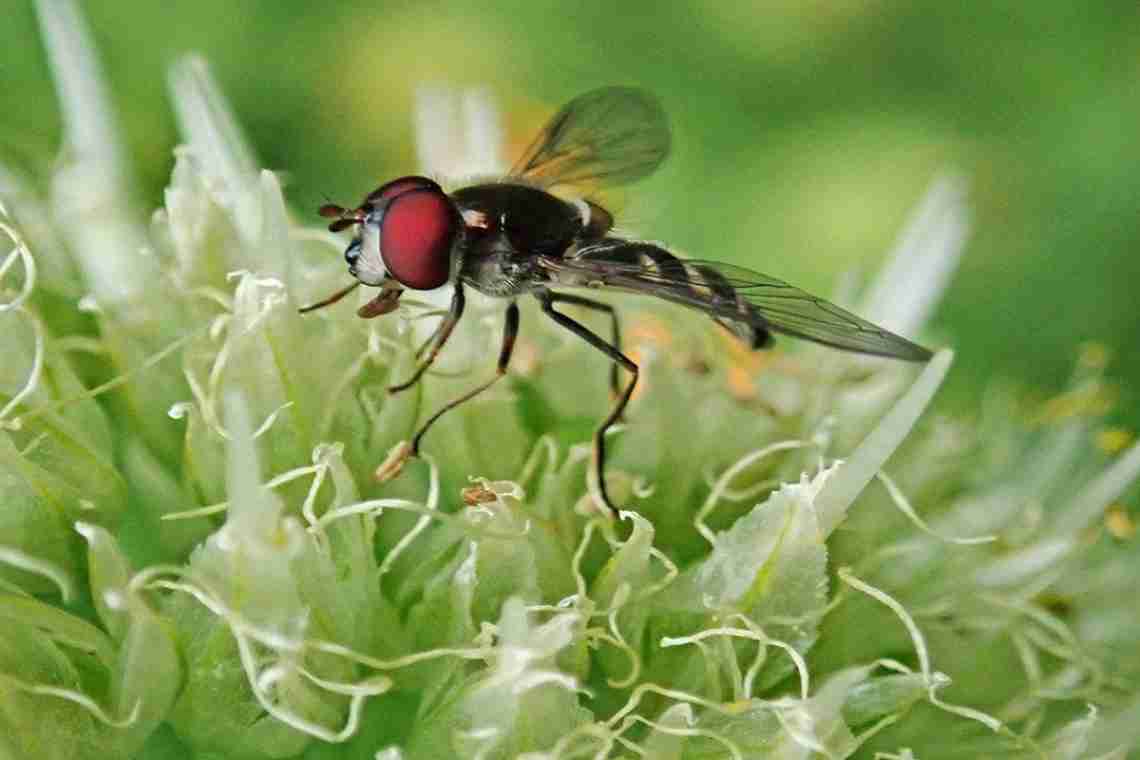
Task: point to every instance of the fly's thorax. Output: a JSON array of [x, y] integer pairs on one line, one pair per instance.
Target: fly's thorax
[[502, 274], [533, 220]]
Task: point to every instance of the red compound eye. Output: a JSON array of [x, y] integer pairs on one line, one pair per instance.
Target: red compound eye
[[416, 237], [398, 186]]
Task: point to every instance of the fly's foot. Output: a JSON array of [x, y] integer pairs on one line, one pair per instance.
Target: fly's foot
[[394, 462], [594, 504], [597, 500], [607, 509], [478, 494]]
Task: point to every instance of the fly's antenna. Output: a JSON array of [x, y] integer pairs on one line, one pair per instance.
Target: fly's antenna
[[341, 216]]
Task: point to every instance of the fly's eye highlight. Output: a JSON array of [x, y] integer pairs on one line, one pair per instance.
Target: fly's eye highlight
[[390, 190], [416, 237]]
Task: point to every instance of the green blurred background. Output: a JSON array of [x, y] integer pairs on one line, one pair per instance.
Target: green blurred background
[[806, 130]]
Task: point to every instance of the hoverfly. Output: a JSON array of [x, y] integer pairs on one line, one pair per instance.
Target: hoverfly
[[514, 237]]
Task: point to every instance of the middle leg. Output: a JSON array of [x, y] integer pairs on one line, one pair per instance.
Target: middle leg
[[589, 303], [547, 299]]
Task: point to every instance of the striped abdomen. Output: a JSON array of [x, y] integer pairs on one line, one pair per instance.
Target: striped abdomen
[[650, 269]]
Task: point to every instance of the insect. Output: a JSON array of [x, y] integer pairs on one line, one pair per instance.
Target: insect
[[515, 237]]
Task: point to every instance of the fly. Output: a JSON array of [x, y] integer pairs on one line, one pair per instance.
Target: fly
[[515, 237]]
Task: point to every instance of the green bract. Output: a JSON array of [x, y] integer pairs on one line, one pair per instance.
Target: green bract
[[195, 558]]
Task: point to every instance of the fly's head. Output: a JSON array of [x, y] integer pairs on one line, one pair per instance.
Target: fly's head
[[407, 230]]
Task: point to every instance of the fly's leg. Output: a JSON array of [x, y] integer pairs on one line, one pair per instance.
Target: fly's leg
[[434, 334], [589, 303], [431, 338], [440, 336], [510, 331], [548, 300], [330, 300]]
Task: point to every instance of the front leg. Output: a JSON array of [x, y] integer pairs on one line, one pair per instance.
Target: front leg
[[440, 336], [403, 451], [510, 333]]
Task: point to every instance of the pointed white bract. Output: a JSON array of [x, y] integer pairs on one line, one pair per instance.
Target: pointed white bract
[[438, 131], [92, 137], [91, 189], [482, 133], [216, 143], [459, 134], [1099, 494], [254, 514], [919, 269], [859, 469]]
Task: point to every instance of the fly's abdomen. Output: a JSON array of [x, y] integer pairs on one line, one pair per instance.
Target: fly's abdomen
[[663, 275]]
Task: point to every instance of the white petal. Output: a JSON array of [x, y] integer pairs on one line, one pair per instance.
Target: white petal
[[89, 187], [919, 269], [1095, 497], [483, 133], [851, 478], [213, 136], [437, 131]]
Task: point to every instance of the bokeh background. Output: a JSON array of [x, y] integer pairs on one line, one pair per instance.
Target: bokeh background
[[806, 131]]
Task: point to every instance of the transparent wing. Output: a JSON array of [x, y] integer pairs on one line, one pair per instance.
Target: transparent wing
[[749, 303], [609, 136]]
